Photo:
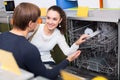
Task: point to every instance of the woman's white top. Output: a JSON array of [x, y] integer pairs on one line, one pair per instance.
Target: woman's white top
[[46, 43]]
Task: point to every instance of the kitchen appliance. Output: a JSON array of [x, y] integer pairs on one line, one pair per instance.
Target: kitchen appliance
[[100, 53], [9, 6]]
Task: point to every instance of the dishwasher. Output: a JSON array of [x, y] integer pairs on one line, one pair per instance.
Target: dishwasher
[[100, 52]]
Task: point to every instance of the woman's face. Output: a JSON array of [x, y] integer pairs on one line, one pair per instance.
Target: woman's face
[[52, 19]]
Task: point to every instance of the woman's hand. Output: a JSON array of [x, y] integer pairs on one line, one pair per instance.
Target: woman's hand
[[82, 39], [73, 56]]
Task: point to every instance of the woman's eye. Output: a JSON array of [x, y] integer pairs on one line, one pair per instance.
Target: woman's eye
[[48, 17], [55, 19]]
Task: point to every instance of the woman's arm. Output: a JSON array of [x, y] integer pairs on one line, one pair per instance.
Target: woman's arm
[[67, 50]]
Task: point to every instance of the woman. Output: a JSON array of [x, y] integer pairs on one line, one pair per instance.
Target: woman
[[52, 33], [27, 55]]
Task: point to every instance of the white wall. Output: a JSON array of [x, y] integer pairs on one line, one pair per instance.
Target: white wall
[[39, 3], [95, 3], [111, 3]]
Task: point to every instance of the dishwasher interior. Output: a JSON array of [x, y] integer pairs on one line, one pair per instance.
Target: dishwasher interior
[[99, 54]]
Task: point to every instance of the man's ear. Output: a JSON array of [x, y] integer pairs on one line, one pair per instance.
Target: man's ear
[[30, 23]]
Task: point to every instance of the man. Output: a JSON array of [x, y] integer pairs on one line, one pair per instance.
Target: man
[[27, 55]]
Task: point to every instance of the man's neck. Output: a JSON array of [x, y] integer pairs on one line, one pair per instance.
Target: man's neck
[[19, 32]]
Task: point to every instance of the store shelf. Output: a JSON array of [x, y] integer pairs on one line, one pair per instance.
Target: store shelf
[[96, 15], [5, 18]]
